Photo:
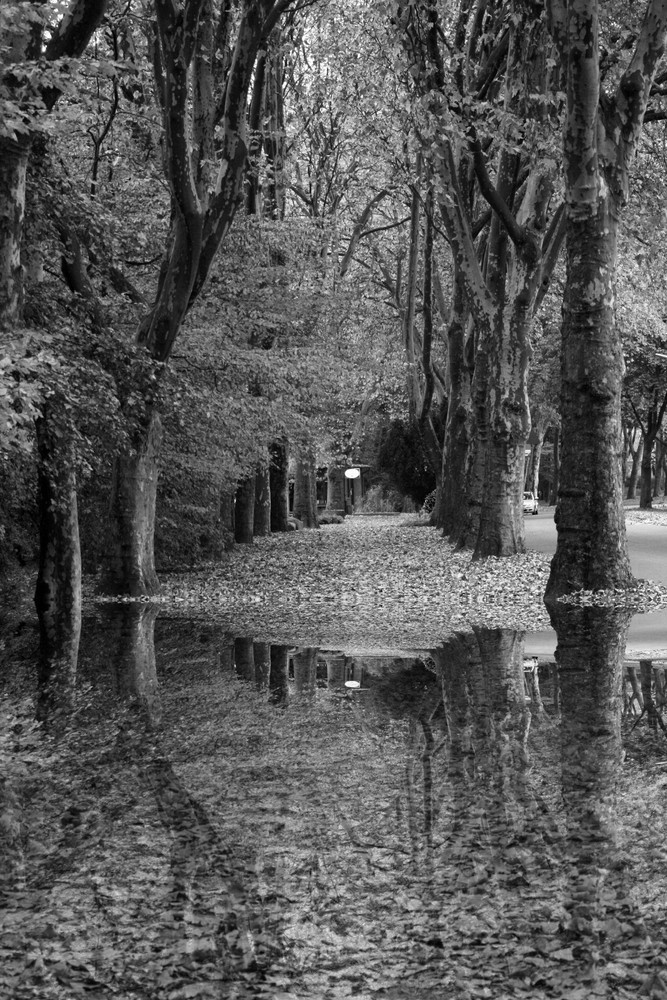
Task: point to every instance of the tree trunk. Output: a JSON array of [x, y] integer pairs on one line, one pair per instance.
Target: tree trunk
[[646, 482], [553, 492], [591, 550], [227, 512], [279, 485], [450, 513], [532, 478], [129, 565], [58, 589], [634, 468], [13, 169], [659, 478], [336, 489], [244, 516], [305, 493], [262, 526]]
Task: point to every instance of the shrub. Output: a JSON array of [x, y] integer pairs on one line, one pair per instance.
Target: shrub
[[379, 500]]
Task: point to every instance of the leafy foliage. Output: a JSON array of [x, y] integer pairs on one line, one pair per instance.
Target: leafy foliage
[[402, 458]]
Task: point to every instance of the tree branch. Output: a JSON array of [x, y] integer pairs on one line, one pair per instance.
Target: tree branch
[[493, 197]]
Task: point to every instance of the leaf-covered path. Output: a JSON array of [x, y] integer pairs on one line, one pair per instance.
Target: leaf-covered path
[[382, 580]]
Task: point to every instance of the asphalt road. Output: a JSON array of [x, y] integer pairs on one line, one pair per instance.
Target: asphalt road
[[648, 557]]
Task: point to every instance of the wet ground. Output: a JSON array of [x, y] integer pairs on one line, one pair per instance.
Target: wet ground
[[200, 815]]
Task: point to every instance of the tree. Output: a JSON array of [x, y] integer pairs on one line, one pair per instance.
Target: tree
[[30, 86], [600, 139], [475, 116], [204, 61]]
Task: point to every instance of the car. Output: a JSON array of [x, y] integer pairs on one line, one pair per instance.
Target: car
[[530, 503]]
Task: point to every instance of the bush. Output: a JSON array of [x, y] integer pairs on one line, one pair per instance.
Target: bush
[[402, 459], [329, 517], [379, 500], [428, 505]]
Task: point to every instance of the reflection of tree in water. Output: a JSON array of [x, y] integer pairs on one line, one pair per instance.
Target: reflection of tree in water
[[601, 917], [209, 906]]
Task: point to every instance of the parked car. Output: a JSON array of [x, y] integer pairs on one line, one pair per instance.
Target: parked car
[[530, 503]]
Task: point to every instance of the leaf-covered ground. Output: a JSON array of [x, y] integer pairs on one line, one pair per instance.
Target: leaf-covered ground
[[376, 581]]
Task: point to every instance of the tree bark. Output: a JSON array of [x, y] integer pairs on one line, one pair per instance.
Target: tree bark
[[336, 489], [453, 501], [305, 493], [600, 139], [262, 519], [553, 493], [279, 484], [244, 515], [591, 550], [636, 459], [58, 589], [129, 566]]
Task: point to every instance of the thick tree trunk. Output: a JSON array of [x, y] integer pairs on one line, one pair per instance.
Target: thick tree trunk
[[58, 589], [591, 550], [262, 526], [129, 565], [244, 516], [13, 169], [501, 526], [305, 493], [279, 484]]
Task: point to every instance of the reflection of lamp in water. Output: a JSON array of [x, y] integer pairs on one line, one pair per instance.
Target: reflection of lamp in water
[[352, 684]]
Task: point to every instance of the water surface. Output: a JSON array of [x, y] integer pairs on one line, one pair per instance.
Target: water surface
[[197, 814]]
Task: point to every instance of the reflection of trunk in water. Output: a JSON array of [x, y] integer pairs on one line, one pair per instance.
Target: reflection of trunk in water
[[129, 636], [279, 679], [591, 644], [262, 658], [244, 656], [489, 721], [305, 671]]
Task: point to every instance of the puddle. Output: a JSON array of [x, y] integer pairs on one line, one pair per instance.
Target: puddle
[[202, 815]]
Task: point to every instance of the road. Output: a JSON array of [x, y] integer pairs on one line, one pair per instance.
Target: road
[[648, 557]]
